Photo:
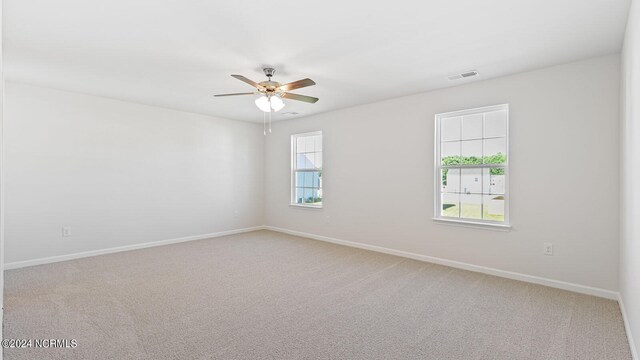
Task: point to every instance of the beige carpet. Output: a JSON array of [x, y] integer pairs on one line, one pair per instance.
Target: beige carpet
[[264, 295]]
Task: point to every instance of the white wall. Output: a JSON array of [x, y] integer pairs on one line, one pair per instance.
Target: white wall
[[630, 179], [378, 174], [1, 182], [120, 173]]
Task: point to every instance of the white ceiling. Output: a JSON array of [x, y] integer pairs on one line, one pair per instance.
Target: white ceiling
[[178, 53]]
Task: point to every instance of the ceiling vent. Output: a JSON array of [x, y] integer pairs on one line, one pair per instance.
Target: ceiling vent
[[290, 113], [465, 74]]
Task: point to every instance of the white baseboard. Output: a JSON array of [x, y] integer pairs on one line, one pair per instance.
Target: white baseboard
[[583, 289], [627, 328], [52, 259]]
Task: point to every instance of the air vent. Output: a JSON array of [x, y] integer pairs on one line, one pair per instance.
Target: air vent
[[465, 74], [290, 113]]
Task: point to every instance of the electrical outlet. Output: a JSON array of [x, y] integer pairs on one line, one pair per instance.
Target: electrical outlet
[[66, 231], [548, 249]]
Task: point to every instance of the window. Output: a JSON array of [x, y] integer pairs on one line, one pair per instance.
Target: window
[[471, 169], [306, 169]]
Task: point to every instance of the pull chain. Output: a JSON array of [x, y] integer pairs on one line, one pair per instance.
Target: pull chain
[[264, 118], [270, 111]]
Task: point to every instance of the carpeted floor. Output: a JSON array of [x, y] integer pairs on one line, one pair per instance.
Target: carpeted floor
[[265, 295]]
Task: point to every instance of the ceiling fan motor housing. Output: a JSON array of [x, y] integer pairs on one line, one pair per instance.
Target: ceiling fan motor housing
[[269, 72], [269, 86]]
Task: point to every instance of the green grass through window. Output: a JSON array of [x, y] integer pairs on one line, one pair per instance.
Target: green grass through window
[[470, 211]]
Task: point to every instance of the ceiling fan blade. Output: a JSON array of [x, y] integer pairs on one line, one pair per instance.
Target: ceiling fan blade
[[304, 98], [248, 81], [235, 94], [297, 84]]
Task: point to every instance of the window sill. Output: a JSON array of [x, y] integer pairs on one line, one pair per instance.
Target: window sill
[[314, 207], [473, 224]]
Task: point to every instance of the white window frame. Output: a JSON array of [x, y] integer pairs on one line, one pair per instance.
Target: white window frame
[[292, 200], [506, 224]]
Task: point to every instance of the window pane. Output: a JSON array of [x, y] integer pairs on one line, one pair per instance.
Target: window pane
[[471, 206], [472, 152], [450, 129], [300, 159], [309, 160], [299, 195], [495, 151], [450, 153], [493, 181], [318, 143], [317, 198], [299, 179], [309, 142], [308, 179], [450, 180], [471, 181], [308, 195], [316, 179], [318, 161], [450, 205], [472, 127], [493, 206], [495, 123], [299, 144]]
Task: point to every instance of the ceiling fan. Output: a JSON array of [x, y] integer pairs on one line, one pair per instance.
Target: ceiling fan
[[271, 92]]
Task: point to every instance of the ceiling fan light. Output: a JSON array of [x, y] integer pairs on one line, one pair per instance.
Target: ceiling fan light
[[263, 104], [276, 103]]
